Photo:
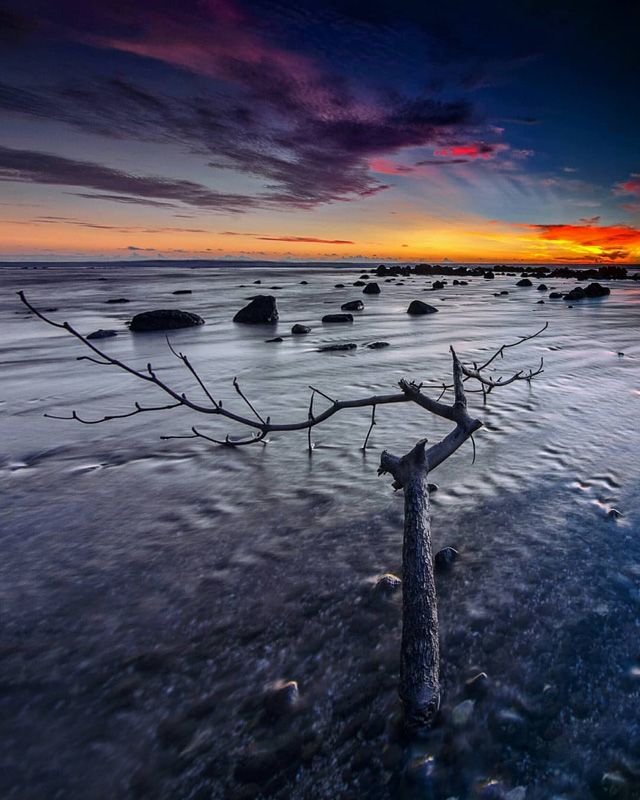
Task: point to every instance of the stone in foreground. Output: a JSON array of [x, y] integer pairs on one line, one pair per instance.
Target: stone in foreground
[[353, 305], [101, 333], [335, 348], [371, 288], [299, 330], [164, 319], [260, 311], [337, 318], [417, 307]]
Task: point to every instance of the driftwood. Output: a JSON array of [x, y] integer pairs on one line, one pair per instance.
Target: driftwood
[[419, 661]]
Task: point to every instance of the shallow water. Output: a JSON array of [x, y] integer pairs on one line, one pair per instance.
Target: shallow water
[[151, 591]]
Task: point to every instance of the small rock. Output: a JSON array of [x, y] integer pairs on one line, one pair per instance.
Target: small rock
[[417, 307], [304, 283], [524, 282], [371, 288], [461, 714], [275, 339], [258, 281], [182, 291], [444, 558], [163, 320], [339, 286], [333, 348], [358, 283], [596, 290], [510, 727], [540, 302], [477, 686], [377, 345], [117, 300], [542, 287], [504, 291], [613, 513], [282, 699], [102, 334], [386, 586], [353, 305], [437, 285], [298, 329], [337, 318], [261, 310], [555, 296], [576, 293]]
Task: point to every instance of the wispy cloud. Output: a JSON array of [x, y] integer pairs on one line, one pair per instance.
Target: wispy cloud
[[266, 238]]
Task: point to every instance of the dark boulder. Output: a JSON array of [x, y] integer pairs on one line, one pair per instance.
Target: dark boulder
[[339, 286], [555, 296], [386, 586], [353, 305], [260, 311], [335, 348], [437, 285], [371, 288], [298, 329], [275, 339], [182, 291], [337, 318], [542, 287], [418, 307], [114, 300], [358, 283], [377, 345], [258, 281], [444, 558], [102, 334], [164, 319], [596, 290], [489, 274], [577, 293], [524, 282]]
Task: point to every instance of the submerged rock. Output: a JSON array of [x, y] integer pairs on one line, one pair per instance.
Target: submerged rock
[[298, 329], [417, 307], [477, 686], [275, 339], [339, 286], [596, 290], [182, 291], [524, 282], [260, 311], [386, 586], [102, 334], [114, 300], [282, 699], [337, 318], [164, 319], [353, 305], [371, 288], [577, 293], [444, 558], [331, 348], [555, 296], [377, 345]]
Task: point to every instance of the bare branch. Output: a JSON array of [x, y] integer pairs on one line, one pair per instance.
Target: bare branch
[[373, 422], [108, 417], [236, 386]]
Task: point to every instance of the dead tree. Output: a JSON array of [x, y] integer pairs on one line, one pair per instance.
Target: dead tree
[[419, 658]]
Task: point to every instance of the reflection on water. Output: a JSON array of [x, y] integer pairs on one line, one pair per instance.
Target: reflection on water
[[152, 591]]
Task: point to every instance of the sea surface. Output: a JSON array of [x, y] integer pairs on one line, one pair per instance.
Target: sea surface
[[153, 591]]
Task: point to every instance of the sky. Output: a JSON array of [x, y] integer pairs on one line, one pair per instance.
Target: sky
[[343, 130]]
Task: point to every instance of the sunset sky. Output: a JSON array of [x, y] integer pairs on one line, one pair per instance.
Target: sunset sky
[[503, 131]]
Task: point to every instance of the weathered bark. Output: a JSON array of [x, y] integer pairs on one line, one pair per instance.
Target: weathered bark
[[420, 651]]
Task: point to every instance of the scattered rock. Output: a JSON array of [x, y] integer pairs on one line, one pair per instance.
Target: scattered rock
[[102, 334], [334, 348], [461, 714], [417, 307], [596, 290], [260, 311], [504, 291], [555, 296], [444, 558], [510, 727], [282, 699], [275, 339], [339, 286], [489, 275], [164, 319], [353, 305], [365, 277], [437, 285], [358, 283], [542, 287], [540, 302], [298, 329], [386, 586], [577, 293], [182, 291], [337, 318], [304, 283], [371, 288], [524, 282], [478, 686], [258, 281], [377, 345], [114, 300]]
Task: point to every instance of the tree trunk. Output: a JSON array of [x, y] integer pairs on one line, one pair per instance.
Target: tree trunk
[[420, 653]]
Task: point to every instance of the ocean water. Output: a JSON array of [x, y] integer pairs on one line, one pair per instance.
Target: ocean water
[[152, 591]]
